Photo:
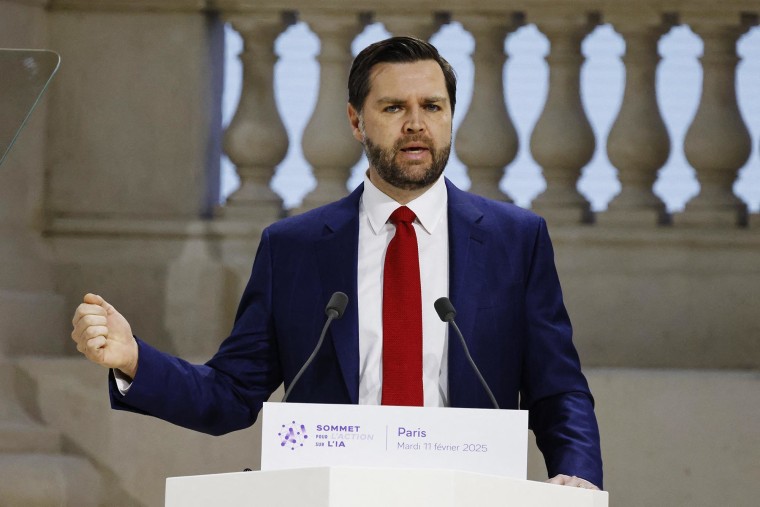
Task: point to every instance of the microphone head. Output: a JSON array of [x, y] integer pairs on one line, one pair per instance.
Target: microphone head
[[445, 309], [337, 305]]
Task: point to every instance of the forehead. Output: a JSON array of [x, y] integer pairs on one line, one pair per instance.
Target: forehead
[[403, 80]]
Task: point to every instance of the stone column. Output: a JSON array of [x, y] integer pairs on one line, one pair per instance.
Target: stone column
[[256, 140], [486, 140], [563, 141], [638, 143], [328, 144], [717, 143]]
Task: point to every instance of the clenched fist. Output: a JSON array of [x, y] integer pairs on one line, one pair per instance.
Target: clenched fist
[[104, 336]]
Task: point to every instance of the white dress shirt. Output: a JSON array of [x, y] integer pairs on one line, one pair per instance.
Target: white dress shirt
[[375, 233]]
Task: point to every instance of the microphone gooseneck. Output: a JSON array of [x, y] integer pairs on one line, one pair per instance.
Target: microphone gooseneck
[[446, 312], [334, 310]]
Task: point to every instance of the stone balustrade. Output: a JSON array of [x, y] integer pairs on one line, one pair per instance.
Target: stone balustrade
[[562, 142]]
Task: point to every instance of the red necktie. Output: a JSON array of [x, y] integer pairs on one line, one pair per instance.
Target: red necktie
[[402, 315]]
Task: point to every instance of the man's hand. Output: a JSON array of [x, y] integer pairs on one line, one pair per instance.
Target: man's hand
[[104, 336], [574, 482]]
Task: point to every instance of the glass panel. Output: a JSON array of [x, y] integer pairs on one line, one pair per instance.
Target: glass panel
[[24, 76]]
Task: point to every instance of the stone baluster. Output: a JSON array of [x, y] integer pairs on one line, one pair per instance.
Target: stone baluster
[[328, 144], [420, 26], [717, 143], [486, 140], [563, 141], [256, 140], [638, 143]]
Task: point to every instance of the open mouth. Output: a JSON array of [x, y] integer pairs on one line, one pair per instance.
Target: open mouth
[[414, 149]]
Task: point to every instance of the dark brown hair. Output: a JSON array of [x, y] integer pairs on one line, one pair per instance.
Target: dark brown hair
[[395, 50]]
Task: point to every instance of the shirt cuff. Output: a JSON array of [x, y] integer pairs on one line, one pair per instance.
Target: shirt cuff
[[123, 382]]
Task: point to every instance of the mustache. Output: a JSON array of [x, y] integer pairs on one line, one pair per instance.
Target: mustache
[[414, 138]]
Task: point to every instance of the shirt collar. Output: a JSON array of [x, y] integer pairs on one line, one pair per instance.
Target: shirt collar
[[429, 207]]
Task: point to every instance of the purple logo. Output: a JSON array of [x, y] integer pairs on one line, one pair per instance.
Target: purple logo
[[292, 435]]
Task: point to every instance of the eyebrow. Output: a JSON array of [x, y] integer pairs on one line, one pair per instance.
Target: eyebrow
[[427, 100]]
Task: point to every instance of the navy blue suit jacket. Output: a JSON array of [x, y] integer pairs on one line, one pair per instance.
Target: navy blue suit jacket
[[502, 281]]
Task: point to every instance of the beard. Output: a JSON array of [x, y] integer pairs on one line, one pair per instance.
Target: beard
[[409, 175]]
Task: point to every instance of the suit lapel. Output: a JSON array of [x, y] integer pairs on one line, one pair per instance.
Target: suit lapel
[[467, 242], [337, 258]]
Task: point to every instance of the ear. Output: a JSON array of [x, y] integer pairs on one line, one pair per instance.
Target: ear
[[353, 118]]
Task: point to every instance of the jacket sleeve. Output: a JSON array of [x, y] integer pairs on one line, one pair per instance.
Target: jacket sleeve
[[554, 389]]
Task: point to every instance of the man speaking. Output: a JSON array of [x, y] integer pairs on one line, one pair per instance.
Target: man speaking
[[400, 241]]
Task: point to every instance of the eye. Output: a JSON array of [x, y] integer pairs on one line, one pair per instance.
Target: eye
[[392, 109], [432, 107]]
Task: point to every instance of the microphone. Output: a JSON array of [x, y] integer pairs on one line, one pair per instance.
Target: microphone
[[334, 310], [446, 312], [336, 306]]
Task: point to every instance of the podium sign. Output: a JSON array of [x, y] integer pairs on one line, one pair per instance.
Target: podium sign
[[298, 435]]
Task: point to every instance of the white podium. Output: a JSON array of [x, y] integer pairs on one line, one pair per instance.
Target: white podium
[[371, 487]]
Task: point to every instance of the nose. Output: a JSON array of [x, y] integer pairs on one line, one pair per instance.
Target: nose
[[414, 123]]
